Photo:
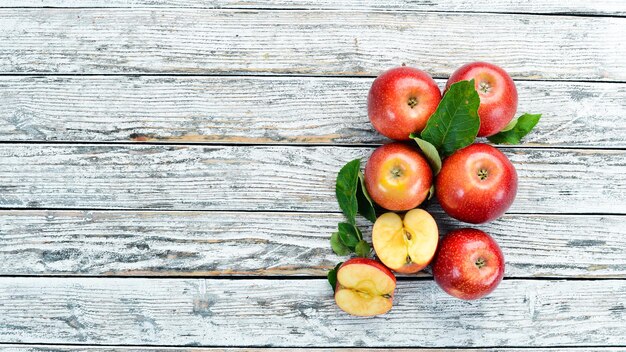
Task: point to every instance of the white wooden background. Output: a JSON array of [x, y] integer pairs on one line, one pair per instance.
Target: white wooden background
[[167, 172]]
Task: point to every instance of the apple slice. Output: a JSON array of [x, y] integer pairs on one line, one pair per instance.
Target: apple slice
[[405, 245], [364, 287]]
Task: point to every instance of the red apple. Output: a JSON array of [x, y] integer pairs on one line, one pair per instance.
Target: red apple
[[364, 287], [476, 184], [397, 177], [498, 95], [401, 100], [469, 264]]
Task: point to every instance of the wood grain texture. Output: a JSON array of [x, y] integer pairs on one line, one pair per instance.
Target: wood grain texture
[[267, 110], [147, 243], [73, 348], [289, 313], [269, 178], [193, 41], [604, 7]]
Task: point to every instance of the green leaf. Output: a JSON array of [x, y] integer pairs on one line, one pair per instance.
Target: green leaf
[[431, 192], [366, 205], [455, 123], [431, 153], [509, 126], [337, 245], [349, 235], [345, 189], [362, 249], [523, 126], [332, 276]]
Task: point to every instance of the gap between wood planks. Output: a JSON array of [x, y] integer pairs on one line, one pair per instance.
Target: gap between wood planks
[[268, 75], [276, 211], [322, 9], [286, 145], [399, 277], [73, 346], [289, 144]]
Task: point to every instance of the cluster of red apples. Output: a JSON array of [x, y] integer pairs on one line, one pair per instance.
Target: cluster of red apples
[[475, 184]]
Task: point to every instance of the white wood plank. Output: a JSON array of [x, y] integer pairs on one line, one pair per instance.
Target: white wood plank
[[603, 7], [267, 110], [146, 243], [269, 178], [73, 348], [306, 42], [285, 313]]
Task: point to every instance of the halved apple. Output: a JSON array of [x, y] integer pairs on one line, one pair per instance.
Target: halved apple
[[405, 245], [364, 287]]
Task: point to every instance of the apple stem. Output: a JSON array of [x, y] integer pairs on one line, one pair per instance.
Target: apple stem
[[396, 172], [412, 102], [480, 262], [482, 174]]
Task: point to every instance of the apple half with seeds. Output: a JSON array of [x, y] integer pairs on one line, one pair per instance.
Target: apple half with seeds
[[405, 244]]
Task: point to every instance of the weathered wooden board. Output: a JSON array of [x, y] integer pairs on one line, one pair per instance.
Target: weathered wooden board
[[603, 7], [288, 313], [192, 41], [269, 177], [270, 244], [74, 348], [267, 110]]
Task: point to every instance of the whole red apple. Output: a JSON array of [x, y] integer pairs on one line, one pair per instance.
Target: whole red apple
[[469, 264], [401, 100], [498, 95], [476, 184], [397, 177]]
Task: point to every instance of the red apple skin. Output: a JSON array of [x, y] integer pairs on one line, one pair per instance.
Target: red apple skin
[[455, 267], [401, 100], [498, 95], [465, 196], [378, 265], [393, 192]]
